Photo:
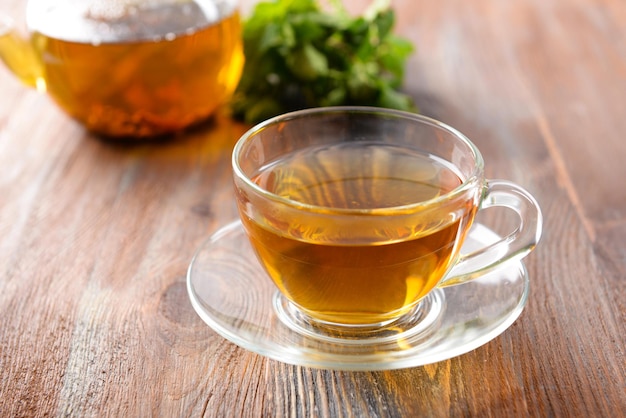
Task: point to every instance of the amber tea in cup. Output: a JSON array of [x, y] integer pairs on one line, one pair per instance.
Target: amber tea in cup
[[368, 272], [357, 214]]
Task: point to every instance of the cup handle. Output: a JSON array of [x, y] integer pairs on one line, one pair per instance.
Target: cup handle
[[515, 246]]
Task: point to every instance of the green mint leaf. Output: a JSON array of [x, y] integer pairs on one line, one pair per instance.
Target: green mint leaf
[[307, 63], [299, 55]]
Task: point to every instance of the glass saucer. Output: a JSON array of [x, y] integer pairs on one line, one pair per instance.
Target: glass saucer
[[230, 291]]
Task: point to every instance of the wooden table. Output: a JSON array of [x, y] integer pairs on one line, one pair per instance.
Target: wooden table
[[95, 239]]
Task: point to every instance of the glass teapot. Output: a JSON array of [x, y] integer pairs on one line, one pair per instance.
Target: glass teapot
[[129, 68]]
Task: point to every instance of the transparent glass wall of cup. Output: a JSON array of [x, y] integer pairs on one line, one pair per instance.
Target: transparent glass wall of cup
[[357, 214], [129, 68]]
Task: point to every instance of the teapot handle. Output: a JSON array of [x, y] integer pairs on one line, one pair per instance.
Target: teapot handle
[[20, 56]]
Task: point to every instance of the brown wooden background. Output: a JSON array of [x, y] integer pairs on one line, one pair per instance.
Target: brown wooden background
[[95, 239]]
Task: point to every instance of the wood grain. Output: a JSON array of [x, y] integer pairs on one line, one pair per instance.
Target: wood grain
[[95, 239]]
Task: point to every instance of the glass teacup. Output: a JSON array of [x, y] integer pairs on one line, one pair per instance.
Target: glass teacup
[[358, 213]]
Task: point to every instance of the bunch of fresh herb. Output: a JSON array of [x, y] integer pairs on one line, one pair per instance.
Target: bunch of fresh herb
[[299, 55]]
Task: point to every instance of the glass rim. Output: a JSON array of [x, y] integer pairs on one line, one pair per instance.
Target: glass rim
[[466, 184]]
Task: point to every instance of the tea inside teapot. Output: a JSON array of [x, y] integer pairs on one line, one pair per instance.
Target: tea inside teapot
[[136, 68]]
